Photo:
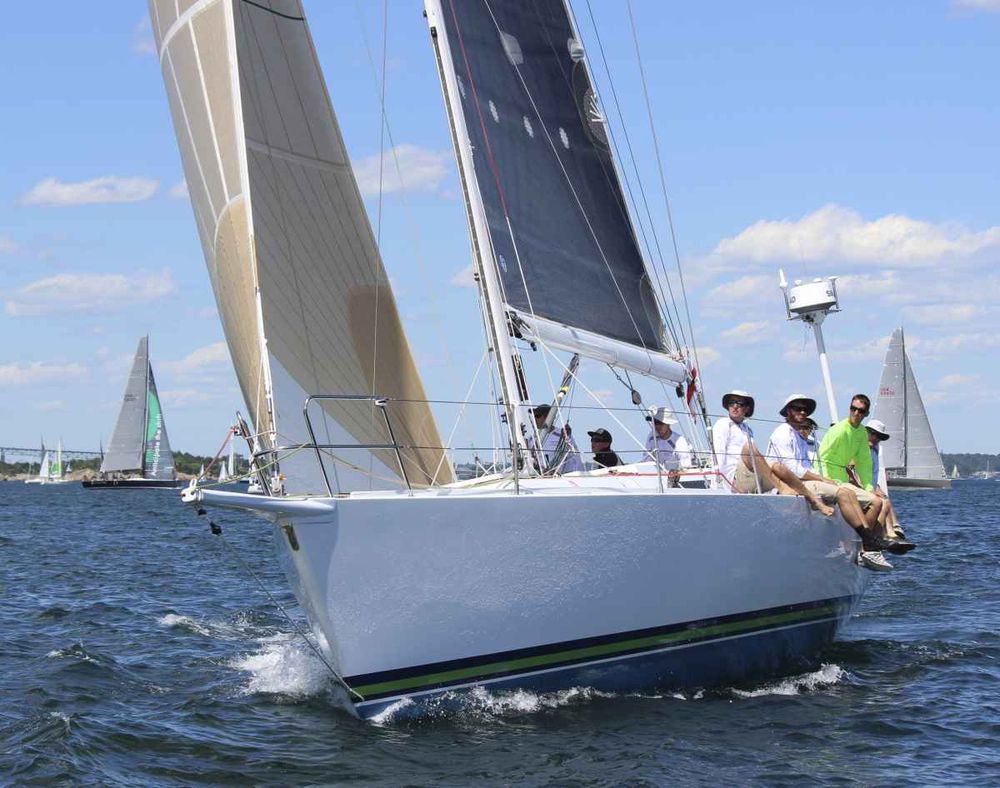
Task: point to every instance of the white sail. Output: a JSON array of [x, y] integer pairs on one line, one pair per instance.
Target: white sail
[[304, 299], [911, 451], [125, 452], [45, 468]]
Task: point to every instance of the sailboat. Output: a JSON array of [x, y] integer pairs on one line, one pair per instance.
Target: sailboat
[[139, 454], [910, 456], [50, 471], [417, 586], [954, 473]]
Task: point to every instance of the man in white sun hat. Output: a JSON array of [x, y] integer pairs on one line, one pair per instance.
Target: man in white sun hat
[[877, 432], [742, 467], [665, 445], [788, 448]]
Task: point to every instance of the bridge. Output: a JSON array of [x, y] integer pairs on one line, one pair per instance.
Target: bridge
[[35, 455]]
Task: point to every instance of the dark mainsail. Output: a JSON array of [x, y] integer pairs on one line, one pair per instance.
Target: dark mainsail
[[564, 245]]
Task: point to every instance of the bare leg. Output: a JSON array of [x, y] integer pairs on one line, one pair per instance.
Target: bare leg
[[786, 482]]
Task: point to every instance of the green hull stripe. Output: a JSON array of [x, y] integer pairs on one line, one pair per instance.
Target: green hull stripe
[[592, 652]]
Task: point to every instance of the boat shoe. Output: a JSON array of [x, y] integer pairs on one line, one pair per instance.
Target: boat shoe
[[871, 559]]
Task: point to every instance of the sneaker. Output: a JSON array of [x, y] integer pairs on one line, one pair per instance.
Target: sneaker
[[870, 559], [892, 545]]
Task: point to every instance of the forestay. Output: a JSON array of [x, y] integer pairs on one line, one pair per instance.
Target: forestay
[[559, 231], [303, 296]]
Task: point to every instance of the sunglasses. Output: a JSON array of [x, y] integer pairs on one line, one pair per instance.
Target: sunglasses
[[739, 403], [798, 408], [856, 409]]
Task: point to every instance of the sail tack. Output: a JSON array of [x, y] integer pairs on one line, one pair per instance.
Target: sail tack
[[564, 246], [302, 292]]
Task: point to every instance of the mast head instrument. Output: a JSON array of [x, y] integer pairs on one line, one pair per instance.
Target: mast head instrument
[[809, 302]]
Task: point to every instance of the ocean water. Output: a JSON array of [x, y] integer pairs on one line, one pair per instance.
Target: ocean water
[[135, 650]]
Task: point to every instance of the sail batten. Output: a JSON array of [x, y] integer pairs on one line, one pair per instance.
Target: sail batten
[[301, 288]]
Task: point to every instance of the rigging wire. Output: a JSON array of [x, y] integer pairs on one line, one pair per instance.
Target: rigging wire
[[682, 340], [569, 182], [412, 225], [663, 180], [217, 530]]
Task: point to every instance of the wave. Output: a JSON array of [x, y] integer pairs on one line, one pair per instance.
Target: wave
[[480, 702], [827, 675], [285, 666], [175, 621]]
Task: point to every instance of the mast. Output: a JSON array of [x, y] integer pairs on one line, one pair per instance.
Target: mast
[[906, 412], [515, 394], [145, 412]]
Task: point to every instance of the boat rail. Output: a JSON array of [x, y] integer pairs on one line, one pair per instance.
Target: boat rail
[[379, 402]]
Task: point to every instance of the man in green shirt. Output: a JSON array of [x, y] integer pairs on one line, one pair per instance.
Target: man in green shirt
[[846, 444]]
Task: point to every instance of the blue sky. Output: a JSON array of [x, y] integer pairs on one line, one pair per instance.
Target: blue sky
[[850, 138]]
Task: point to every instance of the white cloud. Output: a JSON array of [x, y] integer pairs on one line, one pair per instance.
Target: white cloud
[[869, 350], [743, 291], [418, 169], [39, 372], [51, 406], [707, 356], [8, 245], [747, 333], [209, 357], [179, 191], [142, 38], [53, 193], [989, 6], [465, 277], [834, 234], [948, 346], [179, 398], [936, 314], [957, 381], [65, 293]]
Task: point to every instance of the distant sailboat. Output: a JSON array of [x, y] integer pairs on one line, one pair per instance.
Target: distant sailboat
[[50, 471], [910, 456], [954, 472], [139, 454]]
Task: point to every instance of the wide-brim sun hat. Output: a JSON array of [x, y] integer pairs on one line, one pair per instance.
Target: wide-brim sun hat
[[809, 402], [662, 414], [737, 393], [876, 426]]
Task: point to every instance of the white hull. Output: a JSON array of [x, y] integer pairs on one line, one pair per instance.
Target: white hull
[[417, 595]]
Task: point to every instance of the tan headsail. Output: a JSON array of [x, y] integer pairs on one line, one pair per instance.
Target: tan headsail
[[304, 298]]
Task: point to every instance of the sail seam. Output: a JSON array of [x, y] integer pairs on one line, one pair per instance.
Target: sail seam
[[190, 133], [209, 114]]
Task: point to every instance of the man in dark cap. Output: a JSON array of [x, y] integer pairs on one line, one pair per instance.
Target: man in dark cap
[[600, 445]]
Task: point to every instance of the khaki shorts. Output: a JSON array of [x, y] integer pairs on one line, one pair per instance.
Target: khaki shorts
[[828, 492], [744, 481], [825, 490]]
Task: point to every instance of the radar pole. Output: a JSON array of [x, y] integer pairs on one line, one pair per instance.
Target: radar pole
[[811, 302]]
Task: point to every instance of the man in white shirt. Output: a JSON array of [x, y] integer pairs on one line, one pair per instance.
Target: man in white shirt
[[568, 459], [665, 446], [788, 449], [741, 466]]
